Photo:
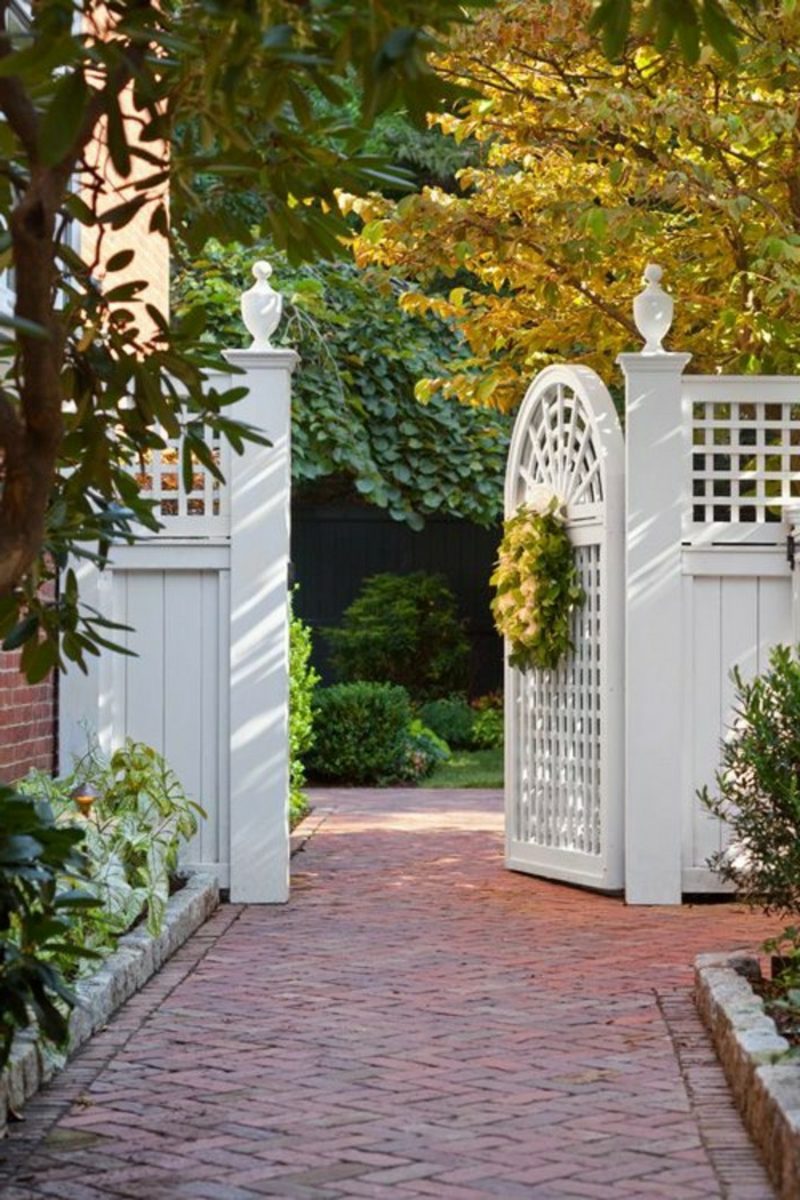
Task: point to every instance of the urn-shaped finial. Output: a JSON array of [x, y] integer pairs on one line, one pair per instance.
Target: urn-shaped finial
[[652, 311], [261, 307]]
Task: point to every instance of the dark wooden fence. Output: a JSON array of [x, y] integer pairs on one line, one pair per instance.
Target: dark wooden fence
[[335, 547]]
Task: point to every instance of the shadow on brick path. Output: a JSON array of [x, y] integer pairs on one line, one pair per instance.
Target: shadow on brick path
[[416, 1022]]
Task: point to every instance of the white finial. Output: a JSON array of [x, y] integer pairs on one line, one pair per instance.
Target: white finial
[[652, 311], [261, 307]]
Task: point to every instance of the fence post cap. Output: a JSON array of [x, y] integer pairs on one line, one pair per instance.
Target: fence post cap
[[653, 310], [261, 307]]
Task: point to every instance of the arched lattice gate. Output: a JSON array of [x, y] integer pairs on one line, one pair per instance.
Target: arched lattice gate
[[564, 728]]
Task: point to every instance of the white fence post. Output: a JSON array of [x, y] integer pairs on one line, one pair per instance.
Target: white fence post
[[260, 483], [656, 447]]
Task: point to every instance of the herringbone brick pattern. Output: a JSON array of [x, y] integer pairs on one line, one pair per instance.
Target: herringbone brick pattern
[[417, 1022]]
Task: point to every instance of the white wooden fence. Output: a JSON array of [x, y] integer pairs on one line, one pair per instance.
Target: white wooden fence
[[207, 600], [712, 472]]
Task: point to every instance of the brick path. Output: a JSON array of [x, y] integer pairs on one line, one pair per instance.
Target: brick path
[[418, 1022]]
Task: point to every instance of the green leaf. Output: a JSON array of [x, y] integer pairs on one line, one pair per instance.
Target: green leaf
[[612, 18], [23, 326], [688, 34], [63, 119], [20, 634], [38, 659], [721, 31]]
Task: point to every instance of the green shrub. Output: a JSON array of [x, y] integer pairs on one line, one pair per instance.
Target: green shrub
[[131, 836], [424, 751], [451, 719], [360, 733], [303, 679], [41, 866], [759, 789], [487, 729], [403, 629]]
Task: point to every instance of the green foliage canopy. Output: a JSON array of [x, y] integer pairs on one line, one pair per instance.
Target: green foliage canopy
[[355, 411]]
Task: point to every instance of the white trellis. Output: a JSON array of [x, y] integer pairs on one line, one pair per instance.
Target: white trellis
[[207, 602], [712, 477], [564, 743]]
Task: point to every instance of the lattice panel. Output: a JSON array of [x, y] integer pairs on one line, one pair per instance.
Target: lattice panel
[[559, 453], [202, 510], [558, 802], [745, 460]]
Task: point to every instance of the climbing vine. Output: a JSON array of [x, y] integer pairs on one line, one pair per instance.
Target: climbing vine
[[537, 587]]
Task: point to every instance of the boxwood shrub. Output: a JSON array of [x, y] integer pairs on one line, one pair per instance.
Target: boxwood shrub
[[451, 718], [360, 733], [403, 629]]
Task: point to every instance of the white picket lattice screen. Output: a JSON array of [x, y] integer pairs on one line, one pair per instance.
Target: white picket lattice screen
[[563, 747]]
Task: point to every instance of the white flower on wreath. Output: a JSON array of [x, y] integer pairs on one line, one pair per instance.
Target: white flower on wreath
[[541, 498]]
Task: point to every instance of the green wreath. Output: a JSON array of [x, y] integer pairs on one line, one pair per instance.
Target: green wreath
[[537, 587]]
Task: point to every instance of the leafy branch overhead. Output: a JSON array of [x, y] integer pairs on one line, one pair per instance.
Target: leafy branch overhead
[[690, 23], [155, 107], [356, 416], [585, 171]]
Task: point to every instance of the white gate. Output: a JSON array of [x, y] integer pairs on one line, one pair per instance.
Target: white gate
[[564, 728]]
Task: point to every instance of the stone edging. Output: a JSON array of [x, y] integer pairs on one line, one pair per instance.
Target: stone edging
[[765, 1085], [138, 956], [303, 833]]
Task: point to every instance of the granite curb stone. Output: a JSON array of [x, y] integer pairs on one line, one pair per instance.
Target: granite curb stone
[[764, 1080], [137, 958]]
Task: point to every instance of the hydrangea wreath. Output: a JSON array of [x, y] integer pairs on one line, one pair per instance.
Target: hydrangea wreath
[[537, 587]]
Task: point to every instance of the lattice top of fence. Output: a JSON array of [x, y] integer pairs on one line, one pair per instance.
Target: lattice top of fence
[[744, 463], [201, 511]]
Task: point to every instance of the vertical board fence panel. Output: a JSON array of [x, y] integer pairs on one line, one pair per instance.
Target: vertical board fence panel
[[335, 547]]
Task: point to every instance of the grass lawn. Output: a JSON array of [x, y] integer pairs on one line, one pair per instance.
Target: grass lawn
[[469, 769]]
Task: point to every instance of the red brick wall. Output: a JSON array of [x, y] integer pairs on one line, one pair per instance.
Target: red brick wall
[[27, 721]]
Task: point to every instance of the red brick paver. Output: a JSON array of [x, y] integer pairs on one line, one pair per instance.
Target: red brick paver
[[417, 1022]]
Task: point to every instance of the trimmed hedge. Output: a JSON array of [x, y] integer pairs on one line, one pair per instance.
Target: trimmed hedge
[[360, 733]]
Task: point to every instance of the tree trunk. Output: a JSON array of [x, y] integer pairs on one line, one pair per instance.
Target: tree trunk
[[31, 429]]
